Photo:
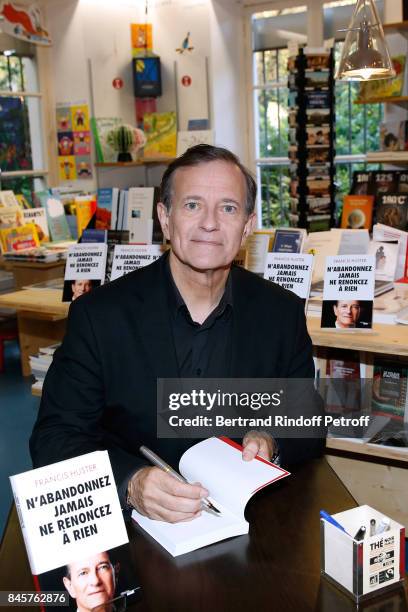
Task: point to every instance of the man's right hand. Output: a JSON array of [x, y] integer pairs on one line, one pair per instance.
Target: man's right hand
[[160, 496]]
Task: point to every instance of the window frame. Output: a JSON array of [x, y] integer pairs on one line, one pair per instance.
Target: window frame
[[49, 173], [256, 163]]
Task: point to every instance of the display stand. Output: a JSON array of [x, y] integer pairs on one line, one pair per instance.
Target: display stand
[[311, 139]]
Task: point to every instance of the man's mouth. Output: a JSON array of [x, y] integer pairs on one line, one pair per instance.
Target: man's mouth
[[209, 242]]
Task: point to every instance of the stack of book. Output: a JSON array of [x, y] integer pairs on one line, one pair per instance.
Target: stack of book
[[40, 363]]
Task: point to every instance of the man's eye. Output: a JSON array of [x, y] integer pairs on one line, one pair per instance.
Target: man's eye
[[103, 567], [83, 573], [192, 205], [229, 208]]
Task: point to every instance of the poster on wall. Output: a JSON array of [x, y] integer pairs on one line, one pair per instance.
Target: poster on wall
[[24, 22], [141, 38], [74, 142]]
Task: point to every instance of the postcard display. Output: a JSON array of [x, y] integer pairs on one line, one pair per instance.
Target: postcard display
[[311, 139]]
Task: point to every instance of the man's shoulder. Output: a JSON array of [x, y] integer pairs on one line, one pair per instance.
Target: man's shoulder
[[134, 284]]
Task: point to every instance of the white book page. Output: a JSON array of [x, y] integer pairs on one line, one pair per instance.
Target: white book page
[[220, 468], [179, 538]]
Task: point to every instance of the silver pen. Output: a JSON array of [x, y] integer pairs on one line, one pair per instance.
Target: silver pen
[[155, 459]]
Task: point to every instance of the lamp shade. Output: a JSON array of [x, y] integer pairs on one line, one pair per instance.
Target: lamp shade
[[365, 55]]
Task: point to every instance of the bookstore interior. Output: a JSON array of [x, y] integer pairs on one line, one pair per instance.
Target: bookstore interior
[[97, 100]]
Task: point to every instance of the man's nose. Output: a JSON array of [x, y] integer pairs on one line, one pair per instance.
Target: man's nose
[[209, 221], [94, 578]]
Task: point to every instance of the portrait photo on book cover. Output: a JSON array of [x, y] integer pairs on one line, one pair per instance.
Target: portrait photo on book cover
[[98, 582], [347, 314], [73, 289]]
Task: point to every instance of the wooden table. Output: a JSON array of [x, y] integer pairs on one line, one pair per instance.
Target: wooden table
[[30, 272], [41, 319], [383, 339], [276, 567]]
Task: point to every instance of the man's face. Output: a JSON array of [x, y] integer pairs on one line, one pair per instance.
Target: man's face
[[207, 222], [92, 582], [79, 287], [347, 313]]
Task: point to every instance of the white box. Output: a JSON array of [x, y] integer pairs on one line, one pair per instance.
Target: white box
[[367, 567]]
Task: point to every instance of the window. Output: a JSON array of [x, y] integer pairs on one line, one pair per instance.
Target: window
[[357, 126], [21, 142]]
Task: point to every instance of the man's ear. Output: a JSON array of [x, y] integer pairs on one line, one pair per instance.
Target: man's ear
[[249, 227], [163, 215], [68, 586]]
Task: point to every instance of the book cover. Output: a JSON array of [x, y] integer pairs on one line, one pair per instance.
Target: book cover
[[348, 292], [85, 209], [68, 508], [392, 210], [7, 198], [187, 139], [292, 271], [385, 182], [38, 216], [10, 216], [357, 212], [257, 246], [161, 133], [288, 240], [100, 581], [114, 237], [343, 391], [85, 269], [386, 259], [15, 239], [392, 136], [127, 258], [22, 200], [231, 482], [100, 127], [362, 183], [56, 218], [94, 235], [389, 396], [107, 201]]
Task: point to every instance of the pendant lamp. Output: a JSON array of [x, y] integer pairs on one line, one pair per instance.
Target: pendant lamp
[[365, 55]]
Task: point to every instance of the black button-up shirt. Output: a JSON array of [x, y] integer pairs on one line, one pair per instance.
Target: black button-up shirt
[[202, 350]]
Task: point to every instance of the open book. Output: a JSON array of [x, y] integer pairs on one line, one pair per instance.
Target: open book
[[217, 464]]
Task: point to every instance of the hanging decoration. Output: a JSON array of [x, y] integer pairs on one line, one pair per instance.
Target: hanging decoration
[[365, 54], [24, 23]]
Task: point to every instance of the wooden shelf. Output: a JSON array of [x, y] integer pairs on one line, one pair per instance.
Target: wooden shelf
[[165, 161], [383, 339], [400, 27], [399, 100], [352, 445], [382, 157]]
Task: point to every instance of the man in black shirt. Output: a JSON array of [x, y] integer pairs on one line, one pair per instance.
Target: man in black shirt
[[190, 314]]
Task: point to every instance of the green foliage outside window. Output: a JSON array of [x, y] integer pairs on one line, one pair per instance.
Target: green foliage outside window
[[357, 131]]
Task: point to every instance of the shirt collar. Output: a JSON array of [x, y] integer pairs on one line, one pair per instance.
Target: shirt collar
[[177, 303]]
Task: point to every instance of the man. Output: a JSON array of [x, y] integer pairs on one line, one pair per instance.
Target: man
[[347, 314], [79, 287], [91, 582], [189, 314]]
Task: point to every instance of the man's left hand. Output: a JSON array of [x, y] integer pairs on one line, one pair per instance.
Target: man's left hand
[[257, 443]]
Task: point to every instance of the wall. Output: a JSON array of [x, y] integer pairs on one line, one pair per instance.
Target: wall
[[99, 31]]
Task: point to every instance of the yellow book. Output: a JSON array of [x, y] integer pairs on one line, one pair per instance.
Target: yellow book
[[161, 133], [85, 206], [19, 238]]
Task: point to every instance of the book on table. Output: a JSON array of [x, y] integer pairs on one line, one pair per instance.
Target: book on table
[[217, 464]]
